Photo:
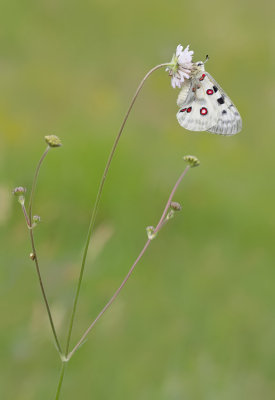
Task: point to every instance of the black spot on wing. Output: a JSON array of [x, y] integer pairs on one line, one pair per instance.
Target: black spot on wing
[[215, 89], [220, 100], [224, 112]]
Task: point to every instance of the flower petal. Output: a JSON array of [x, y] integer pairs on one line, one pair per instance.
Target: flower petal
[[181, 65]]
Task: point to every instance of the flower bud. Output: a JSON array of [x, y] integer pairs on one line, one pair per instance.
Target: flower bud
[[170, 215], [175, 206], [53, 141], [150, 232], [36, 219], [19, 191], [192, 161]]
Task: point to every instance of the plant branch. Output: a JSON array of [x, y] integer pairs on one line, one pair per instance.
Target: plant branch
[[35, 257], [44, 293], [35, 181], [160, 224]]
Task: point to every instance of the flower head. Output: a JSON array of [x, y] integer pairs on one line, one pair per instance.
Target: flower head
[[53, 141], [19, 192], [192, 161], [180, 66]]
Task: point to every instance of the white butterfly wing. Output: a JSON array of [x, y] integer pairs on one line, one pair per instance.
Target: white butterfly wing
[[229, 121], [185, 94], [197, 112], [206, 107]]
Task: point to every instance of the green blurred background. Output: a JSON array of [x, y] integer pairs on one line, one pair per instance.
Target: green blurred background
[[196, 321]]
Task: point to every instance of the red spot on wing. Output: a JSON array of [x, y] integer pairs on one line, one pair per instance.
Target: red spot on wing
[[189, 109], [203, 111], [183, 109], [202, 77], [209, 91]]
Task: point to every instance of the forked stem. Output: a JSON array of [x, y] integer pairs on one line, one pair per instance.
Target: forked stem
[[98, 197]]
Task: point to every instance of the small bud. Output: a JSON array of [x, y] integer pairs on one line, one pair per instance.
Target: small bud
[[19, 191], [36, 219], [192, 161], [150, 232], [53, 141], [175, 206], [170, 214], [32, 256]]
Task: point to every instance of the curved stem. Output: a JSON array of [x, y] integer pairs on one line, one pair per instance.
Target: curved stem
[[35, 257], [44, 293], [159, 226], [98, 197], [35, 181]]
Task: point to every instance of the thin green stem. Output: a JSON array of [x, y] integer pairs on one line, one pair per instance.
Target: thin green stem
[[26, 216], [159, 226], [35, 181], [98, 197], [44, 293], [35, 257], [60, 381]]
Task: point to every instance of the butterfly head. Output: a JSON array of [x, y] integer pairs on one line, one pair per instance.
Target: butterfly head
[[198, 67]]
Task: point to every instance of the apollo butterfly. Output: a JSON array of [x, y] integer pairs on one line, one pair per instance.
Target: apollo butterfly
[[204, 106]]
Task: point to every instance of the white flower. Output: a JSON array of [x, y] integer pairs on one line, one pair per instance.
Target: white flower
[[180, 66]]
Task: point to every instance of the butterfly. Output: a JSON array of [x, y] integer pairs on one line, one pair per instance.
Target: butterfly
[[204, 106]]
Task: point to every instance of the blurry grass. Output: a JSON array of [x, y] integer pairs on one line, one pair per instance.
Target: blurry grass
[[196, 320]]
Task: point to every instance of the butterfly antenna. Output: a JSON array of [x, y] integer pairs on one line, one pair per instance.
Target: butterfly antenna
[[206, 58]]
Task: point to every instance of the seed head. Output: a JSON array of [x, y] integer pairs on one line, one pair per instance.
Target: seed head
[[53, 141], [192, 161]]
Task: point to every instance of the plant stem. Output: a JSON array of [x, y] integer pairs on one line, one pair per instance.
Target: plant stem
[[35, 257], [98, 197], [44, 293], [60, 381], [35, 181], [159, 226], [26, 216]]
